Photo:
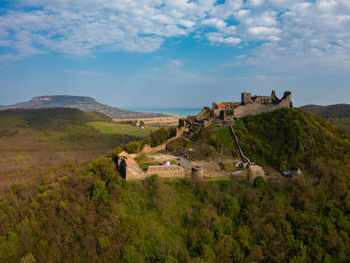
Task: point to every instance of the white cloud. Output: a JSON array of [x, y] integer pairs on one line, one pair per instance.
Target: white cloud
[[174, 64], [263, 30], [221, 38], [86, 73], [297, 29], [255, 3], [253, 77], [214, 22]]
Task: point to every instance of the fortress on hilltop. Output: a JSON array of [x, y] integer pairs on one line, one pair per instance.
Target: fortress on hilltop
[[251, 105], [225, 113]]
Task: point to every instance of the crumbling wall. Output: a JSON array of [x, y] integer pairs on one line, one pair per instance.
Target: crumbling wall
[[255, 171], [129, 171], [255, 109], [132, 174], [166, 171]]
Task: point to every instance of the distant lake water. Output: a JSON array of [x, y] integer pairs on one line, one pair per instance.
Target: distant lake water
[[183, 112]]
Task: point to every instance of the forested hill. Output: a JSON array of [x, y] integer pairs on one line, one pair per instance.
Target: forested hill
[[338, 114], [48, 118], [284, 139], [88, 213], [82, 103], [34, 138]]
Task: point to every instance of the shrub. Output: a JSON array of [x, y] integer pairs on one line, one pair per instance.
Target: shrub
[[134, 147], [160, 136], [99, 193], [102, 167], [231, 207], [103, 243], [115, 153], [128, 253], [260, 183]]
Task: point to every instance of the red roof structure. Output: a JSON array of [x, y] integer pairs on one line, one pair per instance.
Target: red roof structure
[[229, 105]]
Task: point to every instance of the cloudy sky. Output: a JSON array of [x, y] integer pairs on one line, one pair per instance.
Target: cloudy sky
[[175, 53]]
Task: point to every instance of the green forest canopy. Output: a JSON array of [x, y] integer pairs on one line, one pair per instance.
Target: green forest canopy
[[88, 213]]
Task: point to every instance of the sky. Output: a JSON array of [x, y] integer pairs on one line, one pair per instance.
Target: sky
[[175, 53]]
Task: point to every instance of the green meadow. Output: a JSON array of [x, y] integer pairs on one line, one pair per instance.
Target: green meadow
[[113, 128]]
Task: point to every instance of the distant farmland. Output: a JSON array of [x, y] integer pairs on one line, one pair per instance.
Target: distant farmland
[[114, 128]]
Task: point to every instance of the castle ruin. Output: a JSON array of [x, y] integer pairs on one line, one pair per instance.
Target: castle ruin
[[130, 170], [225, 113], [251, 105]]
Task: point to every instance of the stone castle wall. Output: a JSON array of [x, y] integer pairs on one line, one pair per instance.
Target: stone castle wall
[[255, 109], [131, 174], [166, 171]]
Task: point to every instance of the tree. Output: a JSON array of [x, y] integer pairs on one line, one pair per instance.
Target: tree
[[160, 136], [260, 183], [99, 193], [134, 147], [128, 253], [231, 207]]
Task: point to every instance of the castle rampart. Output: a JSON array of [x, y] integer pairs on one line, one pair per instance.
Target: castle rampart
[[225, 113], [262, 106], [249, 105], [166, 171], [130, 170]]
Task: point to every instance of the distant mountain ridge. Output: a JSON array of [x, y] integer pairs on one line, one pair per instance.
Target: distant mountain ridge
[[338, 114], [81, 103]]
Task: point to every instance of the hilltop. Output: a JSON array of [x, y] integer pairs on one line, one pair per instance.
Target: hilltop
[[338, 114], [281, 139], [80, 102]]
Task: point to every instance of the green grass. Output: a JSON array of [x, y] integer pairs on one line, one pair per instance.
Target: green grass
[[230, 167], [219, 179], [113, 128], [144, 162], [23, 156]]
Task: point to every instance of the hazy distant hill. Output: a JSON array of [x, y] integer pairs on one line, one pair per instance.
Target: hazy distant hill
[[82, 103], [338, 114]]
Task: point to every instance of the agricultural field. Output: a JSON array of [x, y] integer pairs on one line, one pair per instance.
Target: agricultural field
[[114, 128]]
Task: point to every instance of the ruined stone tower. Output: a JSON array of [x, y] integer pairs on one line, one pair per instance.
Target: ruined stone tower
[[246, 98]]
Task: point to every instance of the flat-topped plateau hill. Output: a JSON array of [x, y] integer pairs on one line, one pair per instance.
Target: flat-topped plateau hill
[[83, 103], [338, 114], [88, 213], [32, 138]]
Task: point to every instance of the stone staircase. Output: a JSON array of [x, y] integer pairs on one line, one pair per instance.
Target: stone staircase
[[236, 142]]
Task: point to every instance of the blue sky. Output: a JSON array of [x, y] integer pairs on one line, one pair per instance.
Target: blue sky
[[167, 53]]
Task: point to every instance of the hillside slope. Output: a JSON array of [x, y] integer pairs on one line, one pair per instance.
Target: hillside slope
[[338, 114], [90, 214], [31, 138], [282, 140], [82, 103]]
